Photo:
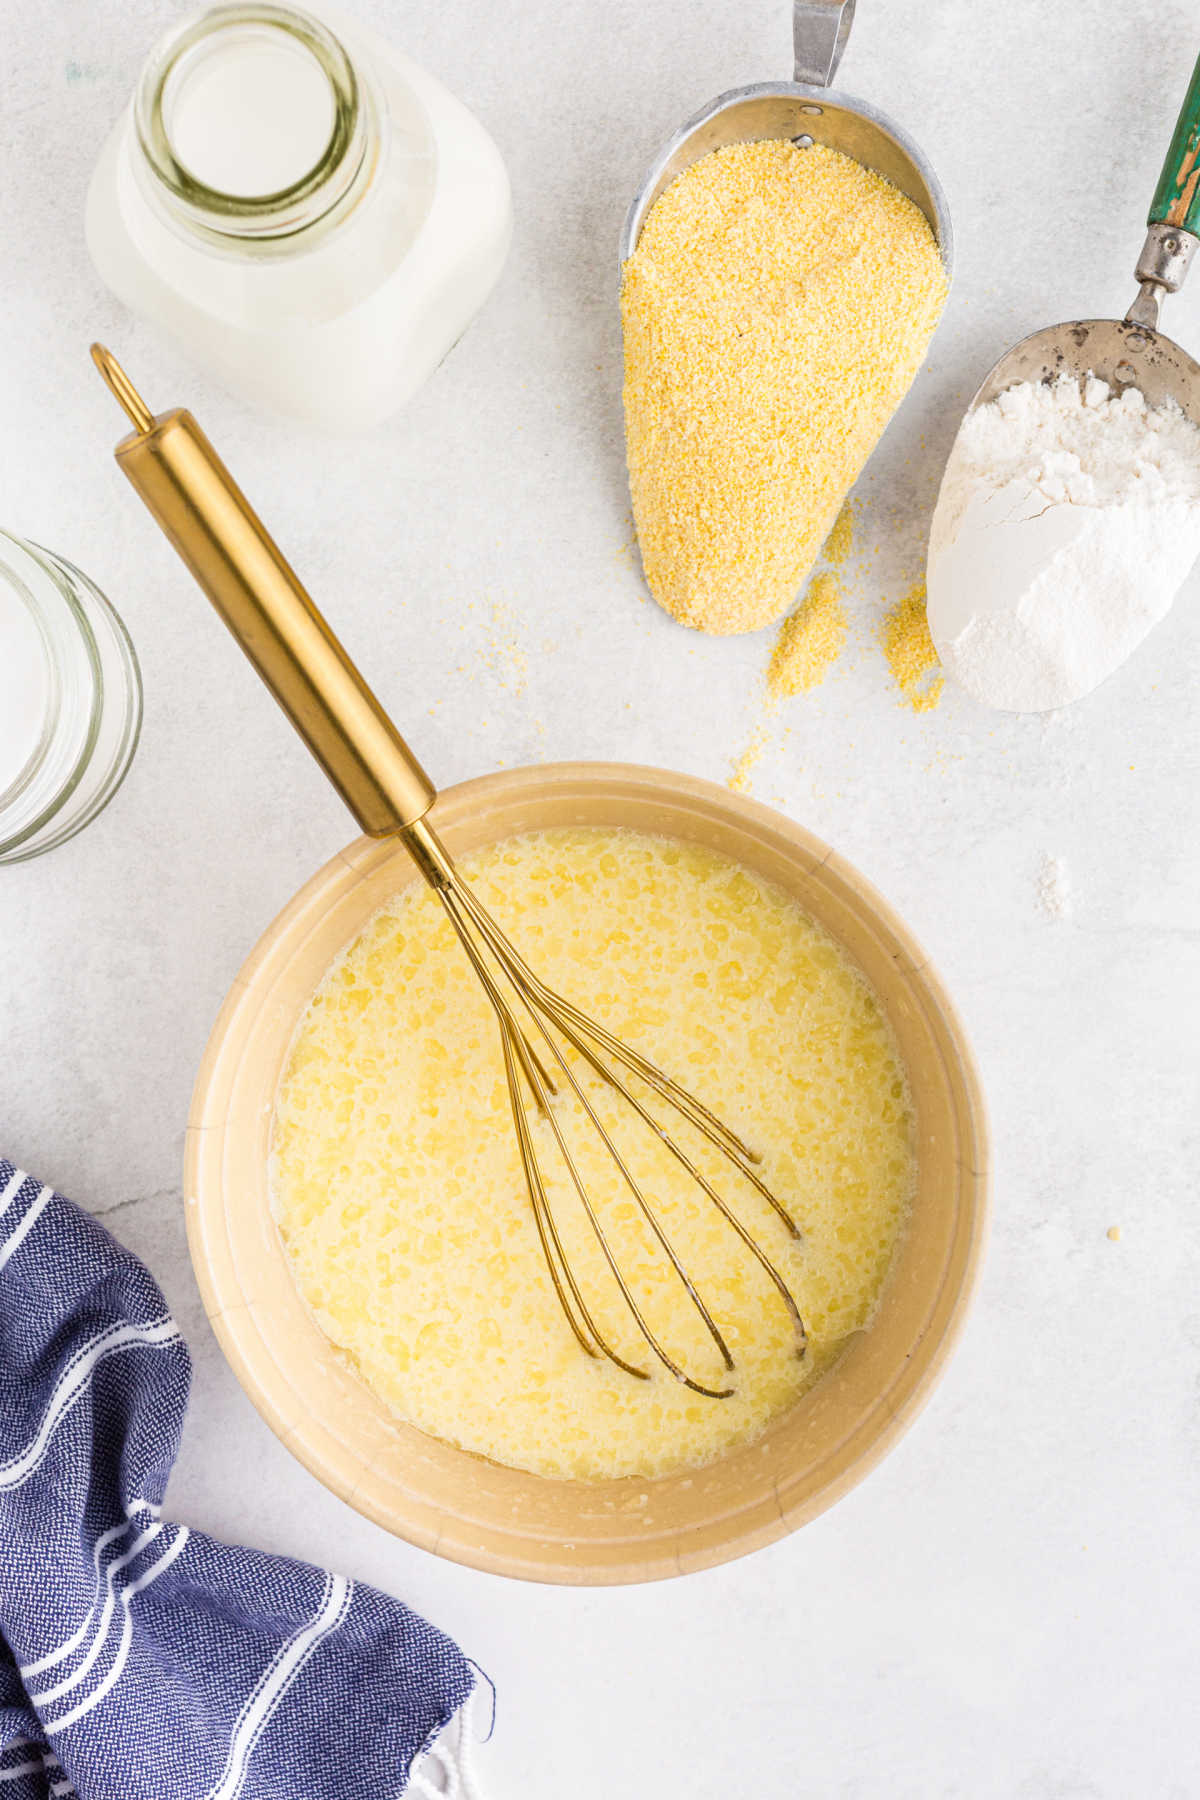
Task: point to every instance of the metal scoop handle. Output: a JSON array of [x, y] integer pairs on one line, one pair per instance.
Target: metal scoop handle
[[820, 29], [228, 549], [1174, 221]]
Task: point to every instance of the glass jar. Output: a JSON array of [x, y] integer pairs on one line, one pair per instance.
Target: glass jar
[[70, 700], [312, 215]]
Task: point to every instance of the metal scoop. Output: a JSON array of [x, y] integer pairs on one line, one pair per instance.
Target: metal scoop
[[806, 111], [1131, 352]]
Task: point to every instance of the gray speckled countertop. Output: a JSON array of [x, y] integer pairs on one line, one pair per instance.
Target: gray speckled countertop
[[1006, 1607]]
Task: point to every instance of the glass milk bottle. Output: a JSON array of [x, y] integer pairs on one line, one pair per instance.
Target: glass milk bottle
[[313, 216]]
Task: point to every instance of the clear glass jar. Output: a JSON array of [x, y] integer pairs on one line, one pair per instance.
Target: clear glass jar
[[70, 700], [312, 215]]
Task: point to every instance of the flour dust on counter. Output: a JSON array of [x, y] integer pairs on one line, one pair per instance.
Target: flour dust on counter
[[398, 1187], [1054, 893]]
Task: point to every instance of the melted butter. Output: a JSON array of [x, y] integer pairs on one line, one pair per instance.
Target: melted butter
[[398, 1186]]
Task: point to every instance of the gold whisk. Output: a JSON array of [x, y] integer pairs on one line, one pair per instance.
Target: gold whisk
[[213, 527]]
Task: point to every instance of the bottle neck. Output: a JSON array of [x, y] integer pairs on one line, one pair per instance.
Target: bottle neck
[[253, 128]]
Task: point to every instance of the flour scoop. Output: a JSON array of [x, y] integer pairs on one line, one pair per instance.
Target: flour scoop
[[805, 111], [1131, 352]]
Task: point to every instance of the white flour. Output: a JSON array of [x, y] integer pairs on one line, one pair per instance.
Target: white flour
[[1067, 520], [1054, 888]]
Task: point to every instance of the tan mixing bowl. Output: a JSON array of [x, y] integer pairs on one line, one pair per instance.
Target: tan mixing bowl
[[460, 1505]]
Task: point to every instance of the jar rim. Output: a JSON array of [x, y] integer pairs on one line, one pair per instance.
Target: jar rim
[[16, 583], [61, 575]]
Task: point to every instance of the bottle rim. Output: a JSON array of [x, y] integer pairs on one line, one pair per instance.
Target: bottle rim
[[330, 187]]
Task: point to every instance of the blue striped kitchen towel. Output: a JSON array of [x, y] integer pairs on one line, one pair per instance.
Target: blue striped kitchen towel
[[140, 1660]]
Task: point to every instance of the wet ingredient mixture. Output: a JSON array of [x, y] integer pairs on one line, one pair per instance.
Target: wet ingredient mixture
[[398, 1187], [776, 309]]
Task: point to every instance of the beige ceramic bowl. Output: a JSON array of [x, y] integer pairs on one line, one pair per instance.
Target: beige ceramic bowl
[[460, 1505]]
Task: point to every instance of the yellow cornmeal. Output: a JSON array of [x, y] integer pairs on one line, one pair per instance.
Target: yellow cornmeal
[[840, 541], [741, 774], [398, 1187], [910, 651], [776, 309], [810, 640]]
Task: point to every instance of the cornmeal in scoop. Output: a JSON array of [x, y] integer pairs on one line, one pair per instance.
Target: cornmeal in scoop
[[776, 309]]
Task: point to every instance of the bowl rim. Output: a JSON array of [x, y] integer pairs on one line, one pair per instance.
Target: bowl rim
[[228, 1311]]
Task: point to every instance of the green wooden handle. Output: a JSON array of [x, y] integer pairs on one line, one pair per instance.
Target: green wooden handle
[[1177, 201]]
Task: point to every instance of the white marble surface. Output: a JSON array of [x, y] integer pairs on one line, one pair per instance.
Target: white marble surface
[[1007, 1607]]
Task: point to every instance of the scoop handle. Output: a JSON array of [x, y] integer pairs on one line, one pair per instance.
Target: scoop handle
[[819, 32], [1177, 198], [228, 549]]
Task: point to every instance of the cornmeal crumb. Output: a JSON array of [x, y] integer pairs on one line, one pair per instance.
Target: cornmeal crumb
[[840, 541], [776, 310], [910, 653], [810, 640], [747, 762], [1114, 1233]]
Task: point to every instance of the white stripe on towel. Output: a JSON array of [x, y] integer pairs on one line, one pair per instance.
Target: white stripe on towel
[[39, 1766], [445, 1769], [73, 1643], [133, 1508], [85, 1706], [43, 1696], [274, 1683], [13, 1244], [72, 1384], [11, 1189]]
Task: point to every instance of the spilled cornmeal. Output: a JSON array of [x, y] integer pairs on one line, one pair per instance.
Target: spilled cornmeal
[[397, 1181]]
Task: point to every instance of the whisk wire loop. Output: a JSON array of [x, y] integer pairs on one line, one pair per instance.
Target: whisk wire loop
[[517, 1052], [682, 1157], [496, 962], [543, 1212], [561, 1010]]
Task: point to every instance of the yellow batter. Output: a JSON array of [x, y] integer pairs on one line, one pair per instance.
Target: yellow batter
[[398, 1186]]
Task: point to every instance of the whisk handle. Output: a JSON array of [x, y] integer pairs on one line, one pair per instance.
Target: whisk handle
[[261, 599]]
